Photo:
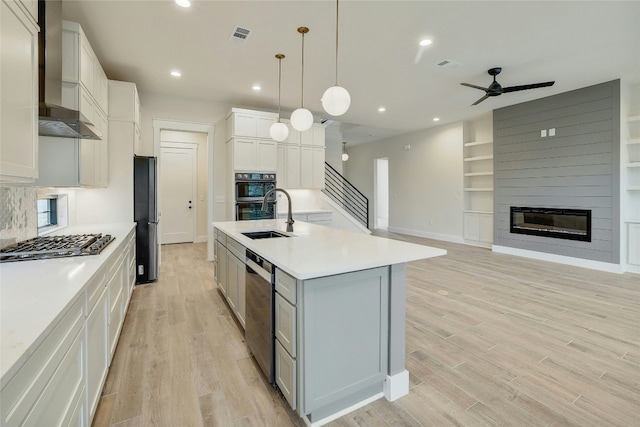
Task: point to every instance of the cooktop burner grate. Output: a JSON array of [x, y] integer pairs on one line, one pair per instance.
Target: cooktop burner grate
[[46, 247]]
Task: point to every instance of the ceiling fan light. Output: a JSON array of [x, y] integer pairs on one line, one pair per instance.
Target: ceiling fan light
[[279, 131], [336, 100], [301, 119]]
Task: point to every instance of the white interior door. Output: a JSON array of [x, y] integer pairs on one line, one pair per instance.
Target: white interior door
[[178, 190]]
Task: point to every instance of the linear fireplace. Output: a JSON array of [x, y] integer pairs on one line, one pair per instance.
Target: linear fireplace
[[571, 224]]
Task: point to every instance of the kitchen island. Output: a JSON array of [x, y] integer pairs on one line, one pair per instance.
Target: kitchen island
[[344, 300]]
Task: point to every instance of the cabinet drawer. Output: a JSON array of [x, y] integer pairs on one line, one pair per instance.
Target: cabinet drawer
[[286, 286], [95, 287], [236, 249], [285, 324], [21, 393], [286, 375]]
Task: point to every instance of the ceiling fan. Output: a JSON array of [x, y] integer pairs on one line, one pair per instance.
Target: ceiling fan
[[496, 89]]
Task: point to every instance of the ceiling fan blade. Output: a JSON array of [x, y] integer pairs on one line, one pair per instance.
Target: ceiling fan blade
[[480, 100], [474, 86], [525, 87]]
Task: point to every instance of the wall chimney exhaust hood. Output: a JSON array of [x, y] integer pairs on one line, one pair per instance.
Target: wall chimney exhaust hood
[[55, 120]]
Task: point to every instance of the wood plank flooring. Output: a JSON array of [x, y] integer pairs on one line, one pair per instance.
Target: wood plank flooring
[[492, 339]]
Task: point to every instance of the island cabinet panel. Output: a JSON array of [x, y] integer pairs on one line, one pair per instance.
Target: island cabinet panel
[[343, 356]]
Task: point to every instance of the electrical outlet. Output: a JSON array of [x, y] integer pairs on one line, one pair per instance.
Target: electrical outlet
[[407, 147], [140, 270]]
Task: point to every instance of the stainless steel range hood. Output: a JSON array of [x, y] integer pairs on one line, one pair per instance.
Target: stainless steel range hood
[[55, 120]]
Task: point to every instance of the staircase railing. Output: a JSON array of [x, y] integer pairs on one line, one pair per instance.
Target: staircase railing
[[341, 191]]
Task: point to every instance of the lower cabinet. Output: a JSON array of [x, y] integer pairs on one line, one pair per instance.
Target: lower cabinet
[[633, 236], [286, 337], [230, 273], [61, 381], [45, 391], [478, 228]]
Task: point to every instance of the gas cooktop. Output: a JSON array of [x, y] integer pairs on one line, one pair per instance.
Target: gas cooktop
[[47, 247]]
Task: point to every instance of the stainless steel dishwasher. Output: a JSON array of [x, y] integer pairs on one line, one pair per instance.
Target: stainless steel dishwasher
[[259, 322]]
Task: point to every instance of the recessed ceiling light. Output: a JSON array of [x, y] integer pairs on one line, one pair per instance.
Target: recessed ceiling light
[[436, 119], [176, 73], [382, 109], [425, 42], [183, 3], [256, 87]]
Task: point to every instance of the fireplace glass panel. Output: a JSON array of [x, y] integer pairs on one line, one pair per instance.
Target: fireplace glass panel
[[572, 224]]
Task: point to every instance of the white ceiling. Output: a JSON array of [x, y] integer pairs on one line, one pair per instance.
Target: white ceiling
[[575, 43]]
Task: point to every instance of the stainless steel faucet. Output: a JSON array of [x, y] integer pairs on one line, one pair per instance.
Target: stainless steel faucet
[[289, 213]]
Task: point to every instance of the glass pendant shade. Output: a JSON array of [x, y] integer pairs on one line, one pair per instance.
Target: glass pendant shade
[[345, 157], [301, 119], [279, 132], [336, 100]]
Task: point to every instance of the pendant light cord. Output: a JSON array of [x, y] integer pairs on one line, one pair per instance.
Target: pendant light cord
[[337, 15], [279, 82], [302, 94]]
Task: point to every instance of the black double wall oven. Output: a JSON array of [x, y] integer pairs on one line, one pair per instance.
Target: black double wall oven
[[250, 189]]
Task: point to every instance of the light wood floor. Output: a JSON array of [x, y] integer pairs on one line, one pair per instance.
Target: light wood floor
[[492, 339]]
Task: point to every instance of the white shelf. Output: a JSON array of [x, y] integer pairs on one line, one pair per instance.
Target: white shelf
[[478, 158], [484, 189], [633, 165], [632, 119], [633, 188], [478, 174], [633, 141], [473, 144], [478, 212], [632, 221]]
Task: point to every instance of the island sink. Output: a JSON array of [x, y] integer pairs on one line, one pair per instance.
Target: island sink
[[264, 234]]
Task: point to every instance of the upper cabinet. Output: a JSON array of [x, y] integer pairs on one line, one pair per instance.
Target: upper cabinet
[[301, 158], [249, 144], [79, 162], [18, 91]]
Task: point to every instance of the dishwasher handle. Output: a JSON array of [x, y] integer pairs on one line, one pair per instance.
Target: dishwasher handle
[[252, 267]]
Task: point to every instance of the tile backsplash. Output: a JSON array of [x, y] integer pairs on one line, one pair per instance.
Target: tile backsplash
[[18, 215]]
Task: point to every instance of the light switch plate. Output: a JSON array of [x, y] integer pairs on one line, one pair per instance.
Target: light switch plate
[[543, 133], [552, 132]]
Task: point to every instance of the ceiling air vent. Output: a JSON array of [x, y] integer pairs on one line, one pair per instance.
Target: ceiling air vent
[[448, 64], [240, 35]]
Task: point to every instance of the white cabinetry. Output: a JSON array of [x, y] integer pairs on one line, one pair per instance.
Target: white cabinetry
[[61, 381], [79, 162], [286, 336], [229, 257], [313, 217], [51, 384], [18, 91], [249, 144], [301, 158], [630, 180], [478, 193]]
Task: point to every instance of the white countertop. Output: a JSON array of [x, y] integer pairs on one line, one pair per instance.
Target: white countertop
[[34, 294], [318, 251]]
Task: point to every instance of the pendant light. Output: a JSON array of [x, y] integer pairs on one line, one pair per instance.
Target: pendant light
[[336, 100], [279, 131], [345, 155], [302, 119]]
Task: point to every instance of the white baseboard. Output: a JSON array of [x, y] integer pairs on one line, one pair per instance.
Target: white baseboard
[[560, 259], [396, 386], [633, 268], [426, 235], [200, 239], [343, 412]]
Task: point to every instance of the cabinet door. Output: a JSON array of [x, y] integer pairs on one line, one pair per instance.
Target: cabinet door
[[285, 324], [318, 168], [286, 375], [116, 315], [232, 281], [633, 237], [244, 154], [263, 126], [486, 228], [281, 165], [97, 350], [222, 266], [306, 137], [471, 227], [318, 136], [18, 95], [244, 125], [102, 151], [241, 305], [306, 167], [86, 64], [87, 162], [267, 152], [293, 166]]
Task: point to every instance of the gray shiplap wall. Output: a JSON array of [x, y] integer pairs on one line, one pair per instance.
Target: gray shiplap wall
[[577, 168]]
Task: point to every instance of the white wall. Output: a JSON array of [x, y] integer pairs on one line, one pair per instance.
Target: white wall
[[425, 182]]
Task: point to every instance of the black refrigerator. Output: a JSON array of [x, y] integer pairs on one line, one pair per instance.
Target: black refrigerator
[[145, 214]]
